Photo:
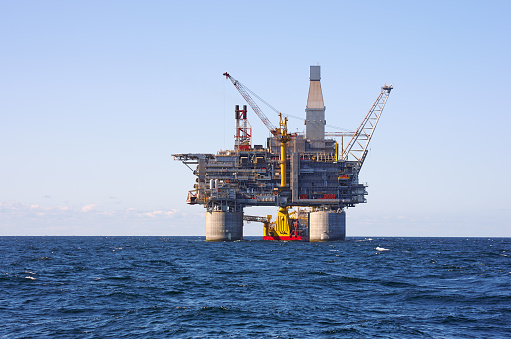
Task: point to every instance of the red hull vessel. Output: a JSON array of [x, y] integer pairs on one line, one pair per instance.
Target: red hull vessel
[[286, 238]]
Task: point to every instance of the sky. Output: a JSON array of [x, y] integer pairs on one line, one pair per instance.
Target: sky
[[95, 96]]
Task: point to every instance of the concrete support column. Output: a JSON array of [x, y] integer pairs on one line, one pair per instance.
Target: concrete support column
[[327, 226], [224, 226]]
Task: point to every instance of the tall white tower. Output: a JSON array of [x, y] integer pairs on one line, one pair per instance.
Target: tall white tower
[[315, 111]]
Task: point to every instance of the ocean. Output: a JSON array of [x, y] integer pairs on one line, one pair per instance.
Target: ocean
[[184, 287]]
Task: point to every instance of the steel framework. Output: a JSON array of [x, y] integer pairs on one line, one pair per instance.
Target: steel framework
[[357, 147]]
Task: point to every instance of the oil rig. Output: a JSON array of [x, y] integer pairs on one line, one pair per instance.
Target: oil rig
[[309, 176]]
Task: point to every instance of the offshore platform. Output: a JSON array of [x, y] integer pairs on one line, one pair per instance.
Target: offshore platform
[[309, 177]]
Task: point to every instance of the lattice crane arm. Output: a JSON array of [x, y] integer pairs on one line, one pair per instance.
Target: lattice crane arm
[[357, 147], [339, 134], [257, 218], [245, 93]]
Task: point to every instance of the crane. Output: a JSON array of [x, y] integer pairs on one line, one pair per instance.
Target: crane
[[357, 147], [245, 93], [282, 222], [280, 133], [265, 220]]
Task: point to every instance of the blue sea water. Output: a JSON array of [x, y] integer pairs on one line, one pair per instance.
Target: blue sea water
[[184, 287]]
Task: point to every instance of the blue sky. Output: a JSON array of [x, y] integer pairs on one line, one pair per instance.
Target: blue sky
[[95, 96]]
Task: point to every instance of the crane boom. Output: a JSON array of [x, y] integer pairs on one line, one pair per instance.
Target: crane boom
[[357, 147], [339, 134], [257, 218], [244, 91], [265, 220]]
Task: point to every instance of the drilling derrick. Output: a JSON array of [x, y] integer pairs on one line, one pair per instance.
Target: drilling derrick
[[243, 136], [307, 172]]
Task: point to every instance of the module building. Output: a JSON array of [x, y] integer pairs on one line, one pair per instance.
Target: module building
[[309, 171]]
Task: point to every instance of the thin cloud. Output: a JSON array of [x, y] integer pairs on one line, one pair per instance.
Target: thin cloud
[[159, 213], [88, 208], [22, 209], [18, 218], [18, 209]]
